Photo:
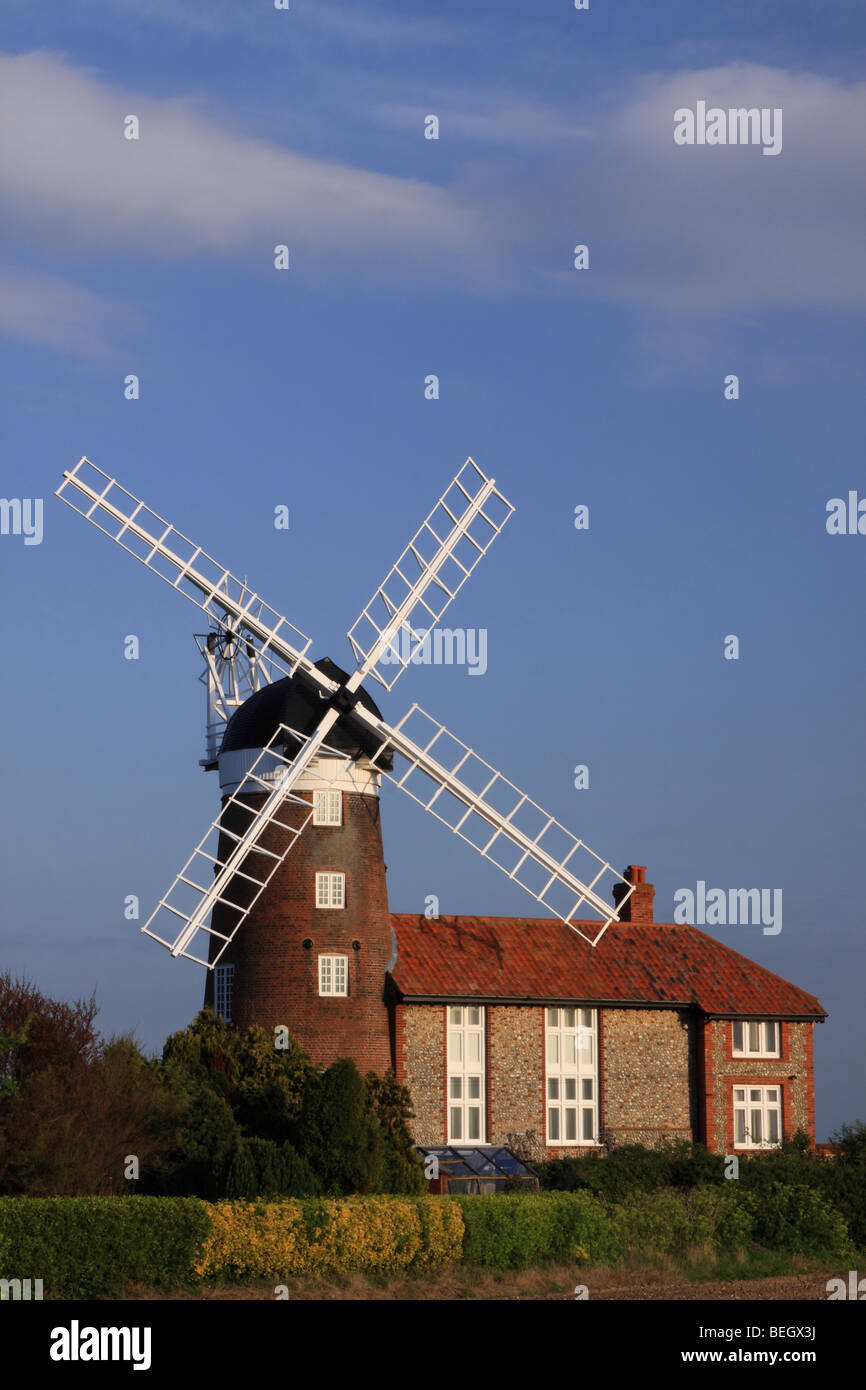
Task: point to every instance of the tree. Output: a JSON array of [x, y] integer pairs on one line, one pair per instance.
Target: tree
[[73, 1105], [392, 1106], [337, 1131]]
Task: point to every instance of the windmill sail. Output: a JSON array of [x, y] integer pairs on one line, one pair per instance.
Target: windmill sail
[[435, 565], [241, 851], [185, 566], [246, 845], [498, 820]]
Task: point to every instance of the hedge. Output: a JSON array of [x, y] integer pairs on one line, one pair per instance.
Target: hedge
[[515, 1230], [670, 1222], [797, 1219], [84, 1246], [81, 1246], [271, 1240]]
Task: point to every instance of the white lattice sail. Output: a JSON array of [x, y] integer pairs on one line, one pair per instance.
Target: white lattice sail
[[432, 569]]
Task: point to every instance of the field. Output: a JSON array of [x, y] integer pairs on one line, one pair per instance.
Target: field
[[553, 1283]]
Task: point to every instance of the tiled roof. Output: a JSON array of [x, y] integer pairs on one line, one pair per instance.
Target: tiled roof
[[518, 958]]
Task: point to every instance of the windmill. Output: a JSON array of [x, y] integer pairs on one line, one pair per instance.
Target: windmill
[[286, 731]]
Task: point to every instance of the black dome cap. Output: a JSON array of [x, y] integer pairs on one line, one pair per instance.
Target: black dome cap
[[296, 700]]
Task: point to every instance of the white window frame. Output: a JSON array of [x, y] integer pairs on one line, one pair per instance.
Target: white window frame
[[331, 891], [223, 991], [465, 1086], [749, 1099], [571, 1077], [754, 1038], [334, 976], [327, 806]]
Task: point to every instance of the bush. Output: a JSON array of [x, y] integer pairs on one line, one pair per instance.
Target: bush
[[258, 1240], [671, 1222], [338, 1133], [512, 1231], [72, 1104], [259, 1168], [633, 1168], [798, 1219], [843, 1179], [82, 1246]]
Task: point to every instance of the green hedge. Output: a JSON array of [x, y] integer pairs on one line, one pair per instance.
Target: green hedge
[[797, 1219], [81, 1246], [670, 1222], [514, 1230]]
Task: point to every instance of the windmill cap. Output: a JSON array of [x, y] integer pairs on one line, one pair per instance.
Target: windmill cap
[[296, 701]]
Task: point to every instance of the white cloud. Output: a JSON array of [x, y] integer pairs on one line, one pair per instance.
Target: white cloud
[[50, 312], [724, 227], [675, 230], [191, 184]]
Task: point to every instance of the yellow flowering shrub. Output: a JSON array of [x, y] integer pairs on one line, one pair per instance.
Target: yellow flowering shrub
[[271, 1240], [254, 1240]]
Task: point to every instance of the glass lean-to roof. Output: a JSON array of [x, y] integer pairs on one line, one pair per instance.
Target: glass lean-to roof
[[495, 1161]]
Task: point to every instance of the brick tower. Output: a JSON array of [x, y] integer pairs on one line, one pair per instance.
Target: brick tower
[[313, 952]]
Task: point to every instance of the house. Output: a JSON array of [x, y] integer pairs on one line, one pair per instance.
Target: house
[[509, 1025], [498, 1026]]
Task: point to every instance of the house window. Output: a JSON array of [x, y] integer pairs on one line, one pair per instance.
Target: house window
[[757, 1117], [571, 1074], [465, 1080], [330, 890], [223, 986], [756, 1039], [334, 975], [327, 807]]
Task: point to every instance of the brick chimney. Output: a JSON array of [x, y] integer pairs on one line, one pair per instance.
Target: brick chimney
[[639, 907]]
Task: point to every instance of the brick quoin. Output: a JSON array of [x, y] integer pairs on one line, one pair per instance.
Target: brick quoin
[[276, 980]]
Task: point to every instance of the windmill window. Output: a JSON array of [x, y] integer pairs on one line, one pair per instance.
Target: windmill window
[[223, 989], [334, 975], [330, 890], [327, 807]]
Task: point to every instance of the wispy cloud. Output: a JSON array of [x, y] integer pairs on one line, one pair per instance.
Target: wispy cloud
[[673, 230], [686, 228], [515, 123], [48, 311], [191, 184], [254, 21]]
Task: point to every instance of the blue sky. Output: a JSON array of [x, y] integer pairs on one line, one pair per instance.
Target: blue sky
[[306, 388]]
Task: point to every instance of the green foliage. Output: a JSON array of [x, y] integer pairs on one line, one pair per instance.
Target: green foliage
[[337, 1131], [843, 1179], [261, 1169], [392, 1106], [514, 1231], [204, 1139], [242, 1179], [672, 1222], [798, 1219], [633, 1168], [73, 1105], [10, 1048], [84, 1246]]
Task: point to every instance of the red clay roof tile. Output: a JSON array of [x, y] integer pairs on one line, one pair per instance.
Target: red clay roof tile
[[540, 959]]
